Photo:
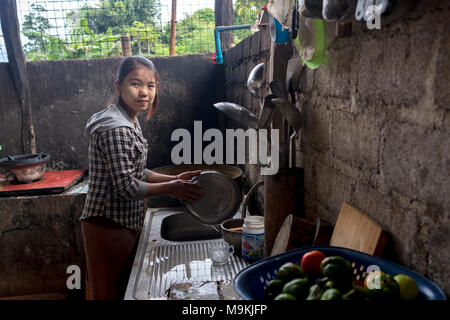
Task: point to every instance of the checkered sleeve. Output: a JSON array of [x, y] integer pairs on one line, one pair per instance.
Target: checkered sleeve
[[119, 151]]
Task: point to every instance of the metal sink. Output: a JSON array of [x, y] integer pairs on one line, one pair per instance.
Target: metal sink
[[183, 227], [161, 266]]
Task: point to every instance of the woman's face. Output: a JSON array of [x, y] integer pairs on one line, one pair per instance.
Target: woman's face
[[137, 90]]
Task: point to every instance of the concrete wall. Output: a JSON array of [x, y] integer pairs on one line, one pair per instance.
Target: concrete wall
[[40, 238], [66, 93], [376, 131]]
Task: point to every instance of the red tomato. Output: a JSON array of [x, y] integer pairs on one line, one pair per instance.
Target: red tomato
[[359, 283], [311, 261]]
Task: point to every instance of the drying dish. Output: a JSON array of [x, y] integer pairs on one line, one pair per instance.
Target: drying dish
[[167, 201], [26, 168], [221, 199]]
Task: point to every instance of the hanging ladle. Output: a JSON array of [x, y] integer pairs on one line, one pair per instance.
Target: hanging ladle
[[244, 115], [290, 113], [255, 80], [293, 117], [238, 113], [255, 85]]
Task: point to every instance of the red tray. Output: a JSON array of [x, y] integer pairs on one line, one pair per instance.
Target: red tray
[[52, 182]]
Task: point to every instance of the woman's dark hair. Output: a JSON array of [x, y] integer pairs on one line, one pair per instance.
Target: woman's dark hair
[[128, 65]]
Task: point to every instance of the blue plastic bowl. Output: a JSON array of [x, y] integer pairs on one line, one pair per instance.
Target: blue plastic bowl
[[250, 282]]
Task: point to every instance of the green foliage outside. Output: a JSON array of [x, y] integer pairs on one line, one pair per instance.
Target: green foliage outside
[[246, 11], [94, 32]]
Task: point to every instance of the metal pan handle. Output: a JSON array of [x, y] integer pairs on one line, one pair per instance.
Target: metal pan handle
[[247, 197]]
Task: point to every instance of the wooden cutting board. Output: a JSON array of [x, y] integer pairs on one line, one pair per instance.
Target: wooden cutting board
[[355, 230]]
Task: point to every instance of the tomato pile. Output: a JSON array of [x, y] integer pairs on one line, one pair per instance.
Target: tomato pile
[[318, 277]]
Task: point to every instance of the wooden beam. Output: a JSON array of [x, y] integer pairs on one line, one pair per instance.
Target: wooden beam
[[173, 28], [18, 68], [223, 15]]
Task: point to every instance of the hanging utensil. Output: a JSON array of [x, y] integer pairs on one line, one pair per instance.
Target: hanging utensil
[[294, 25], [292, 151], [293, 72], [281, 10], [311, 42], [338, 9], [255, 80], [290, 113], [267, 112], [386, 8], [311, 8], [362, 11], [238, 113], [278, 89], [293, 117]]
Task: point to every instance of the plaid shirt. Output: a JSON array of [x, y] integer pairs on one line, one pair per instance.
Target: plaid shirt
[[117, 159]]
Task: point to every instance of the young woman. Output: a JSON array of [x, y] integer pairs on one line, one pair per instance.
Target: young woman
[[118, 180]]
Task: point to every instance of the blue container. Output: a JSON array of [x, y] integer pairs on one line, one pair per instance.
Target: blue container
[[277, 33], [251, 281]]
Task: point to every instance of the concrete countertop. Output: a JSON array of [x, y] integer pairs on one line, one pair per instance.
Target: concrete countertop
[[41, 230]]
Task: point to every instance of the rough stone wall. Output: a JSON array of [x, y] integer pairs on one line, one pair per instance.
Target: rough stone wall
[[376, 131], [66, 93], [40, 238]]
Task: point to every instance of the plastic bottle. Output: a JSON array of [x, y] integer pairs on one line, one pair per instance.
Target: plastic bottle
[[253, 238]]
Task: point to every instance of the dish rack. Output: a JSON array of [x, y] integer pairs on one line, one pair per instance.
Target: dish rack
[[250, 282]]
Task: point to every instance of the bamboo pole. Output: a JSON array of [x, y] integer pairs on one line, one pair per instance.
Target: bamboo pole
[[223, 15], [18, 67], [173, 27], [126, 46]]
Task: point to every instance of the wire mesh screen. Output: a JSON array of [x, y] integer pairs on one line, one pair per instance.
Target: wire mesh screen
[[3, 54], [74, 29]]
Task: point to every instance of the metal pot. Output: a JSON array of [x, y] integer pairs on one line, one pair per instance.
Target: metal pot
[[232, 233], [25, 168], [232, 228]]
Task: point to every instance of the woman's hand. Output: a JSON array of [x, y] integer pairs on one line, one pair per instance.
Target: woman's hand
[[186, 190], [187, 175]]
